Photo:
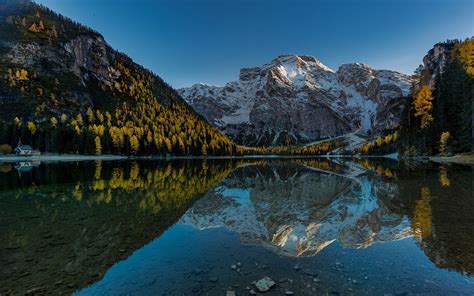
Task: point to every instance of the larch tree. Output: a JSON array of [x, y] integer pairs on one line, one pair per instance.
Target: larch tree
[[134, 144], [424, 105], [98, 146]]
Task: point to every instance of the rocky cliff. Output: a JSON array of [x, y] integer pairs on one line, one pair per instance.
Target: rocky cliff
[[297, 99], [434, 61]]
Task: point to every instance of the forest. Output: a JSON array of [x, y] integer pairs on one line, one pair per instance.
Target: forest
[[439, 119], [112, 106], [140, 126]]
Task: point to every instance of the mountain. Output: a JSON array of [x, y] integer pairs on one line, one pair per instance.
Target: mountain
[[276, 206], [297, 99], [64, 89]]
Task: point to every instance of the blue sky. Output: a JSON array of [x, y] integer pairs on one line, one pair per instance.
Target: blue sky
[[208, 41]]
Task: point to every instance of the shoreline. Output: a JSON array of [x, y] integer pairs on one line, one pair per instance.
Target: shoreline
[[60, 158], [459, 159]]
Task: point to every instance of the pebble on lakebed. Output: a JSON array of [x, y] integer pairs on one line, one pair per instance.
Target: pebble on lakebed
[[265, 284]]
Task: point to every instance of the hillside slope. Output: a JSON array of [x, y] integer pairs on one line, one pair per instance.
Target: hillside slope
[[63, 88]]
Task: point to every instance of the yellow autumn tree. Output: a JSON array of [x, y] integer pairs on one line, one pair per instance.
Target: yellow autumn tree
[[134, 144], [79, 119], [31, 127], [98, 146], [90, 115], [21, 74], [466, 53], [63, 118], [443, 141], [424, 106], [54, 122]]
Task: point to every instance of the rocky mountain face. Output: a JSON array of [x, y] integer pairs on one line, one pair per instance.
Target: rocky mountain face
[[277, 207], [50, 65], [297, 99], [434, 61]]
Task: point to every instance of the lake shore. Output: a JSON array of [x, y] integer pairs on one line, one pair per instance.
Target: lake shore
[[59, 157], [460, 159]]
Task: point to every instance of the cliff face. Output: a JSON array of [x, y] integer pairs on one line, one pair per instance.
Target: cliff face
[[67, 67], [435, 60], [297, 99]]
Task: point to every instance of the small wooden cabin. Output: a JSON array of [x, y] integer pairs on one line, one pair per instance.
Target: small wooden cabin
[[25, 150]]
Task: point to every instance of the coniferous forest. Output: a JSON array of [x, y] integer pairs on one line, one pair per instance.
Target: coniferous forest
[[439, 118]]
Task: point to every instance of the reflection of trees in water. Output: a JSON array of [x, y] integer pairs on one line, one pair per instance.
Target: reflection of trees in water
[[379, 167], [421, 219], [61, 231], [441, 210], [321, 164], [443, 176], [163, 186], [62, 225], [438, 199]]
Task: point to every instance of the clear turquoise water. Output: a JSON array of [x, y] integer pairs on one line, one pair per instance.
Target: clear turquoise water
[[176, 228]]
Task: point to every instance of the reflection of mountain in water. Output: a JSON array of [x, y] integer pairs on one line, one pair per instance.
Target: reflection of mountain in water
[[298, 211]]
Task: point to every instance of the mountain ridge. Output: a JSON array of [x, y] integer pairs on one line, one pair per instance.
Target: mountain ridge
[[302, 88]]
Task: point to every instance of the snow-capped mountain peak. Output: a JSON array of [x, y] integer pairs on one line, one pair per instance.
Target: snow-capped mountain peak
[[297, 99]]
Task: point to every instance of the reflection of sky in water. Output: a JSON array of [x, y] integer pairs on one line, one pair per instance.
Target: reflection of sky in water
[[183, 260]]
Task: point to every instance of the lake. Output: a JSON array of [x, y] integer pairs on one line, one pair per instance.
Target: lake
[[208, 227]]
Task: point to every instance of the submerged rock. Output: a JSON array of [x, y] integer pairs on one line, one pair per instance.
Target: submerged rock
[[213, 279], [265, 284]]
